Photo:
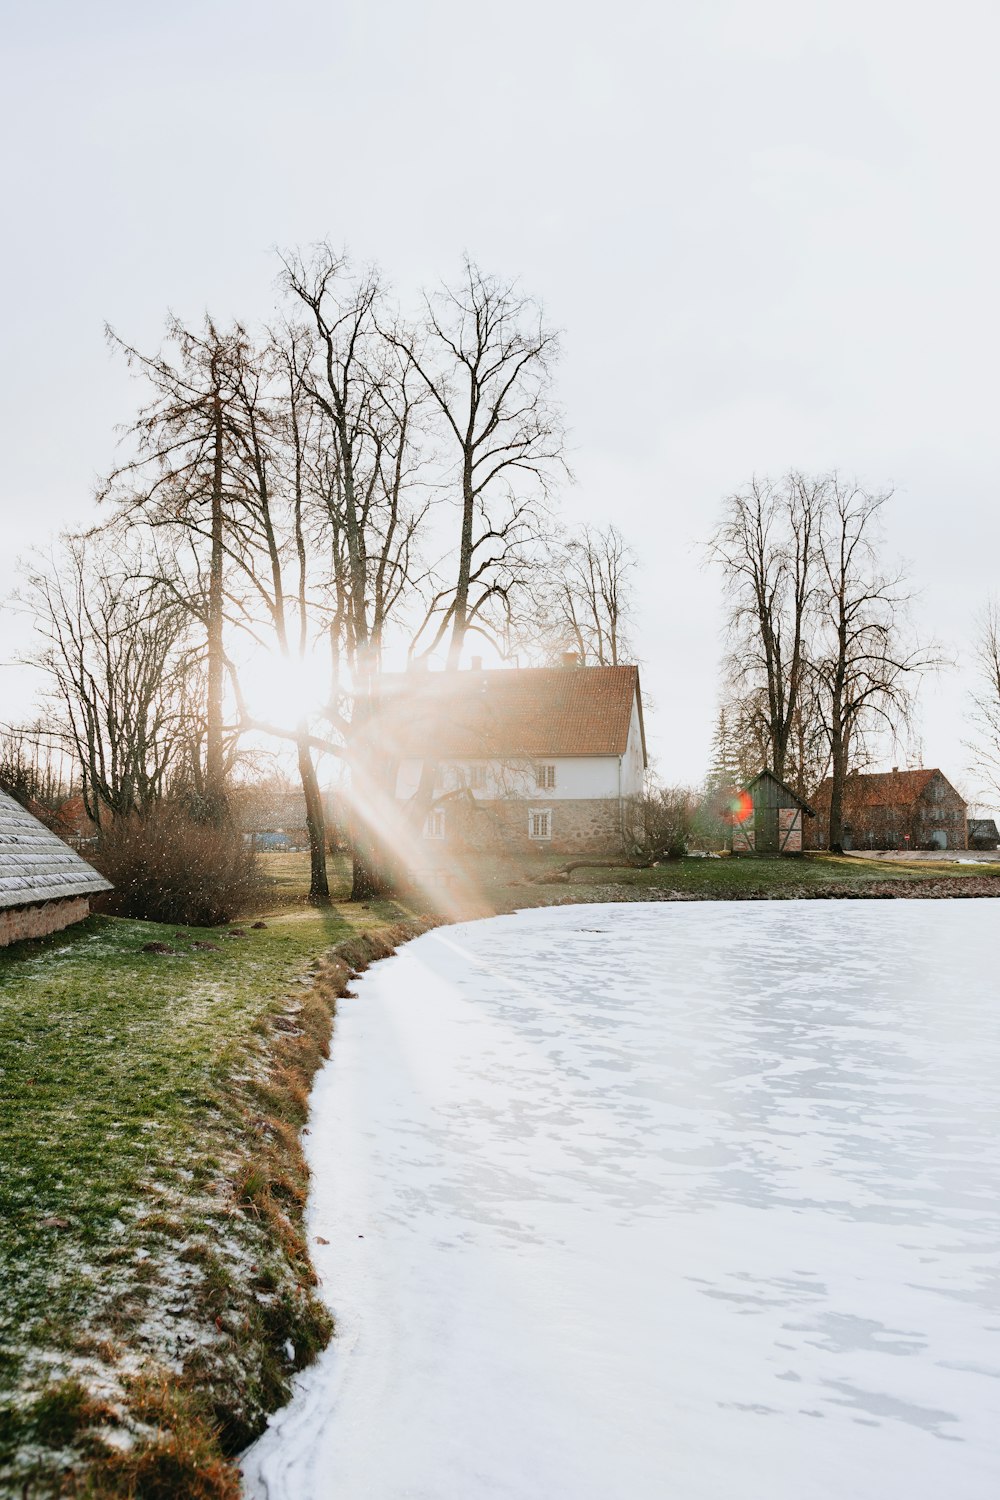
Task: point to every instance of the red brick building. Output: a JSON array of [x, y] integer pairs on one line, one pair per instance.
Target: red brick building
[[917, 809]]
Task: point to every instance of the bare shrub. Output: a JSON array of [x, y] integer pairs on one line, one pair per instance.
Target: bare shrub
[[169, 867], [665, 817]]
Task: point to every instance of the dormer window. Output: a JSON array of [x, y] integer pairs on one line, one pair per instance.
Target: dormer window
[[545, 778]]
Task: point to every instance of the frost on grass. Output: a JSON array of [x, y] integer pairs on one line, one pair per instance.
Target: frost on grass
[[133, 1263]]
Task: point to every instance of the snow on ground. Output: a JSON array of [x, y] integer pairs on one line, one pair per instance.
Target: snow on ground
[[694, 1201]]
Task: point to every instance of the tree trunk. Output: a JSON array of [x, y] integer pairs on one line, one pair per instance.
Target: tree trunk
[[371, 862], [838, 774], [214, 766], [319, 885], [460, 614], [368, 881]]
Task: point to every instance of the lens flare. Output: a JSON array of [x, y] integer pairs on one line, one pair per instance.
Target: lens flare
[[738, 807]]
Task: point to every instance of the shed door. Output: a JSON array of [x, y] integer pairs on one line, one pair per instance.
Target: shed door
[[766, 827]]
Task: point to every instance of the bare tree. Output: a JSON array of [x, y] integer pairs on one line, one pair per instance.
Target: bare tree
[[864, 665], [766, 545], [338, 368], [181, 479], [985, 746], [116, 655], [364, 462], [34, 766], [485, 357], [743, 738], [809, 750], [582, 600], [271, 596]]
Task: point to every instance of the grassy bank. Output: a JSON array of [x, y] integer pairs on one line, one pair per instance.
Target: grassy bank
[[505, 885], [155, 1284]]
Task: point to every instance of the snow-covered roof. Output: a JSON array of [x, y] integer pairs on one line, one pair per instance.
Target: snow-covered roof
[[35, 864]]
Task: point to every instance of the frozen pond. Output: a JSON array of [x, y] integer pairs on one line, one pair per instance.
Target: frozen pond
[[695, 1201]]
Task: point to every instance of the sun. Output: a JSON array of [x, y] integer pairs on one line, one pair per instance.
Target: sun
[[284, 689]]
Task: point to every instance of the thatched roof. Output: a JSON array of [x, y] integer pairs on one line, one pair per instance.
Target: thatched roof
[[35, 864]]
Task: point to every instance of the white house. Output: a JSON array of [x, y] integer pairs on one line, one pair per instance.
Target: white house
[[521, 758]]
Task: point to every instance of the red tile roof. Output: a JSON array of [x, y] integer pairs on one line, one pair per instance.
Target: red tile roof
[[880, 789], [525, 711]]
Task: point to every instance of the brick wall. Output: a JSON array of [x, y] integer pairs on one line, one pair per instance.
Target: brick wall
[[887, 827], [20, 922], [946, 814]]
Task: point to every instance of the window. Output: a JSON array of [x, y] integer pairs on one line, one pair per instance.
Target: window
[[545, 778], [434, 827], [540, 825], [477, 778]]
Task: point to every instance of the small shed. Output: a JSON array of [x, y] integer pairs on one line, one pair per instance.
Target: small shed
[[983, 833], [44, 884], [771, 821]]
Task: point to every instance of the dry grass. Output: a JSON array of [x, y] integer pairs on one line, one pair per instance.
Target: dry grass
[[172, 1088]]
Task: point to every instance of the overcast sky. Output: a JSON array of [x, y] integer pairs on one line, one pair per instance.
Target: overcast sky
[[768, 230]]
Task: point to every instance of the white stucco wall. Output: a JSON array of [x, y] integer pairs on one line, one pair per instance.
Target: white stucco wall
[[632, 760], [577, 776]]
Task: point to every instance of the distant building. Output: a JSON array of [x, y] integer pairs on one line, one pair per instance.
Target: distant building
[[918, 809], [772, 820], [276, 820], [272, 819], [44, 884], [521, 759], [983, 833]]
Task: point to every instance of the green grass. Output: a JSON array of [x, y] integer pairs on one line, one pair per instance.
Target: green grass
[[738, 876], [120, 1145], [150, 1186], [288, 875], [111, 1063], [725, 878]]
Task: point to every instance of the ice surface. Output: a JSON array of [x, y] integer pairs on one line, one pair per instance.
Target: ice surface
[[667, 1202]]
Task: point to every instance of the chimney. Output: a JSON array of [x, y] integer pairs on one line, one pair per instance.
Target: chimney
[[477, 664], [570, 659]]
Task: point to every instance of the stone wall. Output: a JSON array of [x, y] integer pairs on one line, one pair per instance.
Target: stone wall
[[580, 826], [18, 923]]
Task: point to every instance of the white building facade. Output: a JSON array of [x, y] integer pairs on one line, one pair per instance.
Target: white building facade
[[531, 758]]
